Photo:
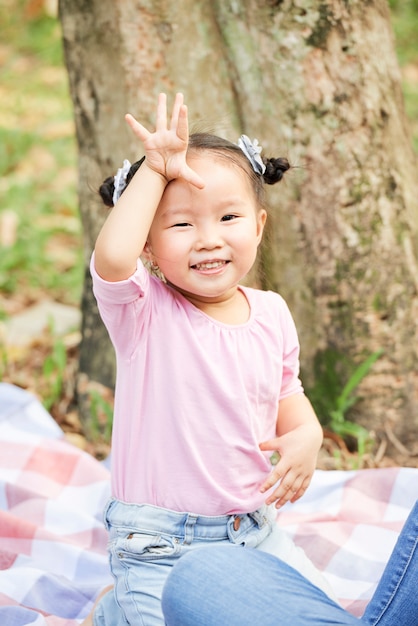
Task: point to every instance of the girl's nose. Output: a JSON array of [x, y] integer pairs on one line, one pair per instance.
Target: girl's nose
[[208, 239]]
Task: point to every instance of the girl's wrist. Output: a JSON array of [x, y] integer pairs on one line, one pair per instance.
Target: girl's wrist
[[158, 174]]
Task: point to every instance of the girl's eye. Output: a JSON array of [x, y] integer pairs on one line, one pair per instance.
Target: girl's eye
[[180, 224], [228, 218]]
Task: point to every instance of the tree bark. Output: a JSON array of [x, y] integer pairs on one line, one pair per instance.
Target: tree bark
[[313, 80]]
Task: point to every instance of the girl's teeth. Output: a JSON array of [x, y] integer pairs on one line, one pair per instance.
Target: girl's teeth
[[208, 266]]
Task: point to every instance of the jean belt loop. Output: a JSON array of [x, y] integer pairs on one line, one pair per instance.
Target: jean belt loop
[[189, 525], [259, 517]]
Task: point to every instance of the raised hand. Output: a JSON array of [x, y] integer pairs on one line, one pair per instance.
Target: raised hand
[[166, 148]]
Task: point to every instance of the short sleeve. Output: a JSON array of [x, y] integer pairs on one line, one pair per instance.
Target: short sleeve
[[123, 291], [120, 306], [291, 383]]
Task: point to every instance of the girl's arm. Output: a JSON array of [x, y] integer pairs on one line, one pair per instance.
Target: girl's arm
[[124, 233], [299, 438]]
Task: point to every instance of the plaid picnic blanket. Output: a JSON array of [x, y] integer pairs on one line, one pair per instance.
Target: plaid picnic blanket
[[53, 556]]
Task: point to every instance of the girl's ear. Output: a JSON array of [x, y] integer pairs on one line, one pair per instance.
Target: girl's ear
[[150, 263], [147, 252], [261, 222]]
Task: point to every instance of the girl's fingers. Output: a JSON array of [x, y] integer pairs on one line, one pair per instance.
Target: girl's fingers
[[183, 124], [177, 106], [166, 148], [283, 494], [289, 490], [178, 123], [161, 121], [191, 177], [140, 131], [272, 479], [298, 494], [179, 118]]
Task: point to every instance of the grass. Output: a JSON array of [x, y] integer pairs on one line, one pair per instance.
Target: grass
[[37, 162], [405, 26]]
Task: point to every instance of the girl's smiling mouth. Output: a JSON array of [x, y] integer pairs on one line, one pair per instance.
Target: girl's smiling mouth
[[209, 265]]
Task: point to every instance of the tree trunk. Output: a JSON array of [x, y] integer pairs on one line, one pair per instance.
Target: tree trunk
[[316, 81]]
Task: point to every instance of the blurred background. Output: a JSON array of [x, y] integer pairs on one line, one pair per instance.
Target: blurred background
[[41, 249]]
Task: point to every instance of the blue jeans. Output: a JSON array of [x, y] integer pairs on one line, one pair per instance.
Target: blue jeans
[[248, 587], [145, 542]]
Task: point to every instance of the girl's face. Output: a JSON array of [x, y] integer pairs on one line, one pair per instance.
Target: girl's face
[[205, 240]]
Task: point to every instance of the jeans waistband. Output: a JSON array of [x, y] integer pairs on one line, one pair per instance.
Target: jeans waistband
[[150, 518]]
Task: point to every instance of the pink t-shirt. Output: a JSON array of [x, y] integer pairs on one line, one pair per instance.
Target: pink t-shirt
[[194, 396]]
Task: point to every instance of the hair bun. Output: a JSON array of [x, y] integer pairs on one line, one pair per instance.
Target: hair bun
[[106, 190], [107, 187], [275, 168]]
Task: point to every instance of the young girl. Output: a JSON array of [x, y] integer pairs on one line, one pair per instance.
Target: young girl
[[207, 370]]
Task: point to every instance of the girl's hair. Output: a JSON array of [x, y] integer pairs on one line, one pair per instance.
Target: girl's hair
[[107, 187], [223, 149]]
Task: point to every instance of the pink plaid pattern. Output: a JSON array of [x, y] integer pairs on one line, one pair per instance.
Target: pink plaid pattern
[[53, 557], [348, 523]]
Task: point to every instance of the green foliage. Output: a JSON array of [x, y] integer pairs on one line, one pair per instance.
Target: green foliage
[[35, 262], [332, 399], [53, 371], [330, 370], [3, 360], [101, 417], [405, 25], [37, 160], [347, 399], [14, 144], [38, 35]]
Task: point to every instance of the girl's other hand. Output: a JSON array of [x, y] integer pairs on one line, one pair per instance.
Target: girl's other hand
[[298, 451], [166, 148]]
